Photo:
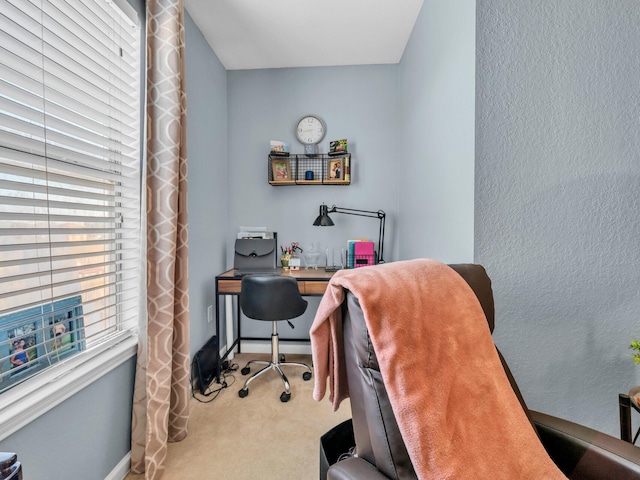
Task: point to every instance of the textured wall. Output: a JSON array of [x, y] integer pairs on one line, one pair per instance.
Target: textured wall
[[557, 196]]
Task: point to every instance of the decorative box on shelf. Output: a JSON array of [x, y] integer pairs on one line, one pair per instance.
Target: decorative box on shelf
[[320, 169]]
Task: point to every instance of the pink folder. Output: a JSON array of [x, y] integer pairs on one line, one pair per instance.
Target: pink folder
[[364, 254]]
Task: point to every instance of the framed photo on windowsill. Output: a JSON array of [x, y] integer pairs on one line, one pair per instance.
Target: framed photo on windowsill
[[38, 337]]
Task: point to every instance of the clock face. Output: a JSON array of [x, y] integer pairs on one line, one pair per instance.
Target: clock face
[[310, 130]]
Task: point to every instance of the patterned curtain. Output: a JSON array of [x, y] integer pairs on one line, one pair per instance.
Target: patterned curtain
[[162, 389]]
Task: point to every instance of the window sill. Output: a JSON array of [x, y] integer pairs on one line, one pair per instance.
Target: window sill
[[27, 401]]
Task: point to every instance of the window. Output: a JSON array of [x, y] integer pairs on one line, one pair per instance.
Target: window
[[69, 183]]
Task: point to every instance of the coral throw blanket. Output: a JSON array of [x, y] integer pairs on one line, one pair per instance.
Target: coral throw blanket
[[453, 403]]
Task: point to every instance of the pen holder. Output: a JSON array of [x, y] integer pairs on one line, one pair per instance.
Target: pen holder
[[284, 260]]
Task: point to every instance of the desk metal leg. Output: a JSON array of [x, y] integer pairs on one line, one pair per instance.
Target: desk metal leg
[[228, 314], [239, 323], [625, 417], [218, 331]]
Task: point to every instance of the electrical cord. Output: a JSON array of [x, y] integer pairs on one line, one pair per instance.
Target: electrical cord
[[225, 373], [349, 454]]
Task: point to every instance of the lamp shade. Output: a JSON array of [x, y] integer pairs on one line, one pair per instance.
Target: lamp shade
[[323, 219]]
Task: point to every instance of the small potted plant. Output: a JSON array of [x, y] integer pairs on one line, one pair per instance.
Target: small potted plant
[[634, 393], [635, 346]]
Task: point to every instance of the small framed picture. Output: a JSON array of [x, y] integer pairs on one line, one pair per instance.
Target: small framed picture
[[338, 146], [335, 170], [279, 148], [281, 169]]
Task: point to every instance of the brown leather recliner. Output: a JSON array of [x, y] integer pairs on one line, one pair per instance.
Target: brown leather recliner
[[380, 453], [10, 468]]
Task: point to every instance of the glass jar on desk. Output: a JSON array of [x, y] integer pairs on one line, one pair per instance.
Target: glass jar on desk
[[312, 256]]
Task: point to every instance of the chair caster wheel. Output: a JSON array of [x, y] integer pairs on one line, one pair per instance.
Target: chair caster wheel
[[281, 358], [306, 376], [245, 371], [284, 397], [243, 393]]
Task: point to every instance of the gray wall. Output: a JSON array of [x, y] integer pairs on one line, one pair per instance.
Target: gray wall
[[358, 103], [207, 176], [83, 437], [558, 196], [436, 136]]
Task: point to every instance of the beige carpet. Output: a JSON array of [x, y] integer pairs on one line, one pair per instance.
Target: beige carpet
[[257, 437]]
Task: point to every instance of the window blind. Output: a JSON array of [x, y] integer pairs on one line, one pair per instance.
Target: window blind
[[69, 180]]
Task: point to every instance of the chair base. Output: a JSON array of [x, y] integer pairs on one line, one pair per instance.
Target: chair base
[[276, 365]]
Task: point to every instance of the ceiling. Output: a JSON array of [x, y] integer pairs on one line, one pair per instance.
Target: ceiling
[[250, 34]]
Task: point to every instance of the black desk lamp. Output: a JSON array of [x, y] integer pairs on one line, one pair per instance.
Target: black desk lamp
[[324, 220]]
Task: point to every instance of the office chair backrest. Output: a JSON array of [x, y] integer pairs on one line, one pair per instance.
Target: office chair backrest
[[375, 429], [271, 298]]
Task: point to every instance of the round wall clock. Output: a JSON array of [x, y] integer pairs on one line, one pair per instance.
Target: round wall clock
[[310, 131]]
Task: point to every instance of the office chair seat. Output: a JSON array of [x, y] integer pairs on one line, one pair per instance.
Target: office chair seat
[[272, 299]]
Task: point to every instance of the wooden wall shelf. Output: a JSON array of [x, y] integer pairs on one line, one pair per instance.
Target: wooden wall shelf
[[293, 169]]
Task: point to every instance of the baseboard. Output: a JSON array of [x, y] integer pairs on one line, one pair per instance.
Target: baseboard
[[121, 470], [260, 346]]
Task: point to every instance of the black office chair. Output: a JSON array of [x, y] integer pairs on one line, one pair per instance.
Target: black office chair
[[272, 298]]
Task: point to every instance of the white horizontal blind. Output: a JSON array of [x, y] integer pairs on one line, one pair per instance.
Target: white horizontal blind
[[69, 180]]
